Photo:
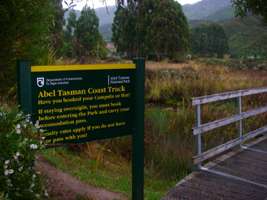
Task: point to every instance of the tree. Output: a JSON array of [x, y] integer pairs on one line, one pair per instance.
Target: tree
[[257, 7], [124, 30], [209, 40], [57, 29], [151, 28], [165, 28], [25, 34], [69, 41], [81, 36], [87, 34]]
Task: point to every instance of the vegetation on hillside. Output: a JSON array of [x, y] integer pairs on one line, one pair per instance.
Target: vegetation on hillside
[[244, 7], [247, 37], [209, 40], [202, 9]]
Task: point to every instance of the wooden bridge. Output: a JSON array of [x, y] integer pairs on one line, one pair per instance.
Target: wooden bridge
[[236, 170]]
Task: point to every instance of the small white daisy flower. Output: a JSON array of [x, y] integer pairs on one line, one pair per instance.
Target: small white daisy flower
[[6, 172], [7, 162], [20, 169], [37, 125], [34, 146]]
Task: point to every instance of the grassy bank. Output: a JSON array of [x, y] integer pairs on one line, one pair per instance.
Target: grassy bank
[[106, 170]]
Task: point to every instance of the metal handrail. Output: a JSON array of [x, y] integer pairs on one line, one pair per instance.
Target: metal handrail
[[200, 128], [227, 95]]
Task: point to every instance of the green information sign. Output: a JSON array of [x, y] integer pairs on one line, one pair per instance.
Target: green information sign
[[81, 103]]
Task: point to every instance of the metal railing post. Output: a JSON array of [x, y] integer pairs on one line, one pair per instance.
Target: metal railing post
[[240, 121], [198, 124]]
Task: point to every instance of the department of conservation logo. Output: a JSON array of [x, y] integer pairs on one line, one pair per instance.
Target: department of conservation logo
[[40, 81]]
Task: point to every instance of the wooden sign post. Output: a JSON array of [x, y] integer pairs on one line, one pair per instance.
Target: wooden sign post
[[82, 103]]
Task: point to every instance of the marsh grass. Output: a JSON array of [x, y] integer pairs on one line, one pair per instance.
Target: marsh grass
[[169, 116]]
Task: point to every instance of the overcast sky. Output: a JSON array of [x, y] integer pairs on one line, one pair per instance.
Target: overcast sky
[[99, 3]]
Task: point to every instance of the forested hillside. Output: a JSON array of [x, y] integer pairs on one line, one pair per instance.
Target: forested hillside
[[247, 37], [205, 8]]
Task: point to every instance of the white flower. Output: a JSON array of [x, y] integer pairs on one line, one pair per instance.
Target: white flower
[[10, 171], [16, 156], [6, 172], [33, 176], [46, 193], [34, 146], [18, 129], [32, 185], [7, 162], [28, 117], [19, 114], [37, 125], [20, 169]]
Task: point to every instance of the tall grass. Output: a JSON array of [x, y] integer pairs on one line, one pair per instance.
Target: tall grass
[[170, 116]]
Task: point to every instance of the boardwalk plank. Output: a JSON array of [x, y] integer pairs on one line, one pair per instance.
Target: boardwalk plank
[[207, 186]]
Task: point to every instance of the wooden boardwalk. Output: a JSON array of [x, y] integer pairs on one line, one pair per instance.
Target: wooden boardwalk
[[247, 180]]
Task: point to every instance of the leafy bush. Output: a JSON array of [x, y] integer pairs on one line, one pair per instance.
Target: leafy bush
[[25, 34], [18, 142]]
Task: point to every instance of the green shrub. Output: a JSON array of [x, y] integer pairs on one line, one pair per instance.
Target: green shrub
[[169, 142], [18, 142]]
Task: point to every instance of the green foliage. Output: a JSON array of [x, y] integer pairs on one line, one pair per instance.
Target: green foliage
[[136, 29], [18, 179], [247, 37], [124, 32], [209, 40], [223, 14], [165, 28], [82, 37], [243, 7], [25, 34], [164, 127], [57, 28], [69, 39]]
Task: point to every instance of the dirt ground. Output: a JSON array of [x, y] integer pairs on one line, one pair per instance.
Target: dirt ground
[[62, 186]]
